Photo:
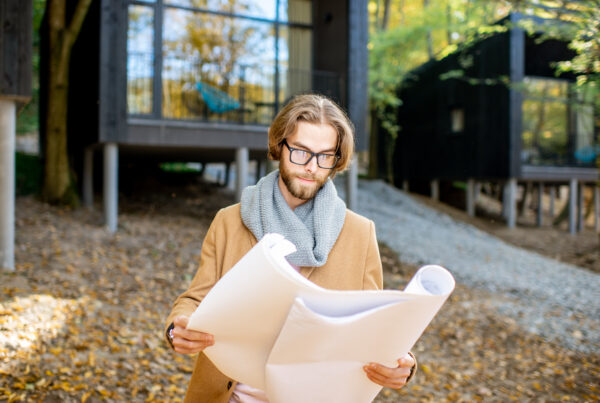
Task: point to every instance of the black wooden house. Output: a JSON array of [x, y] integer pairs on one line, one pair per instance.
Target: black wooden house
[[507, 118], [200, 80]]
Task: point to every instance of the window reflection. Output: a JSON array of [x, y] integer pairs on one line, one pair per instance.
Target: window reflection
[[215, 67], [236, 68], [557, 124], [140, 62], [295, 58], [250, 8]]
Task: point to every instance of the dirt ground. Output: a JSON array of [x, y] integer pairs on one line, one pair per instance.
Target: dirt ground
[[81, 317]]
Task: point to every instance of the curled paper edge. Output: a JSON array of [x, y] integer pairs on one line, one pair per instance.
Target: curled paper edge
[[431, 280]]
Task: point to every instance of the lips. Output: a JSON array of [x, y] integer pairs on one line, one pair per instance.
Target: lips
[[306, 180]]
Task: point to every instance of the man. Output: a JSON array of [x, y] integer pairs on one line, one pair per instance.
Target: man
[[313, 139]]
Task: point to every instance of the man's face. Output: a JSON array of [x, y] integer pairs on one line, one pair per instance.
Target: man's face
[[302, 182]]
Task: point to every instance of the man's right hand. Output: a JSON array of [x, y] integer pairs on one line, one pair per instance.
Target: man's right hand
[[189, 341]]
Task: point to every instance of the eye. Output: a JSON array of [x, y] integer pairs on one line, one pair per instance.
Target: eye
[[301, 154]]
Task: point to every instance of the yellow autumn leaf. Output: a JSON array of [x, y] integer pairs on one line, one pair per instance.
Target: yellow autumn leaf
[[91, 359], [86, 396]]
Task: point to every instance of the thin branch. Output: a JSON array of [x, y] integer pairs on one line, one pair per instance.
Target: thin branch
[[77, 20], [70, 35]]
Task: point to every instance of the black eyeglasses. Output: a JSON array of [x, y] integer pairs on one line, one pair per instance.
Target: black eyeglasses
[[299, 156]]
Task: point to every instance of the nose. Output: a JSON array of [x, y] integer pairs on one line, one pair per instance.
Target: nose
[[311, 166]]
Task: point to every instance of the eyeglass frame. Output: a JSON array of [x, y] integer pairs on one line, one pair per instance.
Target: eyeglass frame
[[312, 154]]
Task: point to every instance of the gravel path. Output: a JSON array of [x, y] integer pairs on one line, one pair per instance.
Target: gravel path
[[558, 301]]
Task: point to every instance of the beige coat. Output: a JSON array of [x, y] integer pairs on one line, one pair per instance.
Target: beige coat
[[352, 264]]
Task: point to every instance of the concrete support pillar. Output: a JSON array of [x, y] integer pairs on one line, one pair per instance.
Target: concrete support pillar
[[88, 177], [405, 186], [8, 117], [580, 207], [552, 201], [511, 203], [596, 208], [540, 211], [435, 189], [471, 197], [241, 175], [111, 185], [352, 185], [572, 205]]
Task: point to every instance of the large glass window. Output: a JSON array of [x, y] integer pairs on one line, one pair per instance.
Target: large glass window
[[558, 125], [224, 60], [248, 8], [140, 60]]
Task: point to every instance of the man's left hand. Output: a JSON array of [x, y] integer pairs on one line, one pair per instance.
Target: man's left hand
[[394, 378]]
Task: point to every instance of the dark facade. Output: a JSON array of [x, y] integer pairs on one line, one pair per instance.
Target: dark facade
[[193, 81], [15, 49], [507, 116]]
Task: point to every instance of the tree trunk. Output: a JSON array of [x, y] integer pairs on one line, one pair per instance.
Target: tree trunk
[[58, 184], [429, 36], [57, 178], [386, 15]]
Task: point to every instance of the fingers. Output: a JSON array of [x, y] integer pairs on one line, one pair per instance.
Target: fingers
[[181, 321], [408, 361], [394, 378], [189, 346], [187, 341]]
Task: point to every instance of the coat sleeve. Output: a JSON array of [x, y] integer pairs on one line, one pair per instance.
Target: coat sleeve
[[205, 278], [373, 274]]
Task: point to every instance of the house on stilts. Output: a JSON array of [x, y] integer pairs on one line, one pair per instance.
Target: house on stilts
[[200, 81], [497, 112]]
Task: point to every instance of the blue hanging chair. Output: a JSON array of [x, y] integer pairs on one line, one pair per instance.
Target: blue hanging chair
[[587, 154], [217, 101]]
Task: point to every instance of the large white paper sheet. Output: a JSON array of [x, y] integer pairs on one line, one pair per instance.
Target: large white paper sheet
[[277, 331]]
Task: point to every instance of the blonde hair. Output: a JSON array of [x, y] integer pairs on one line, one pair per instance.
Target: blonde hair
[[315, 109]]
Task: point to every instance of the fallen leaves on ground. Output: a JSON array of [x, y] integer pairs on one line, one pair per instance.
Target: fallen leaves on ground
[[82, 316]]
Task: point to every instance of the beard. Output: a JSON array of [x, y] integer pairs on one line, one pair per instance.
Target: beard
[[297, 189]]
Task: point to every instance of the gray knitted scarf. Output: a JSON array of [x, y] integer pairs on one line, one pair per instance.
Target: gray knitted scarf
[[313, 226]]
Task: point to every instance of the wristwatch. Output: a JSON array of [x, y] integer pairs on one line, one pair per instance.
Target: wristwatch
[[413, 370], [170, 334]]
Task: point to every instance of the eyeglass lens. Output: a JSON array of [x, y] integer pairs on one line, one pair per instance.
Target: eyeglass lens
[[302, 157]]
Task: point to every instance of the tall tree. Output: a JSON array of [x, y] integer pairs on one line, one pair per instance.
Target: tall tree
[[58, 183]]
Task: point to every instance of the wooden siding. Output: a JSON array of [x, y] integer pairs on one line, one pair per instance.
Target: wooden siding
[[195, 134], [113, 70], [16, 40], [358, 57], [330, 21], [427, 147]]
